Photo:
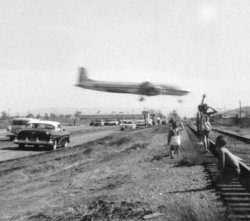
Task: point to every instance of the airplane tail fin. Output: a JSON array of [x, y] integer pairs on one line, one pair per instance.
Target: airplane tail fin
[[82, 75]]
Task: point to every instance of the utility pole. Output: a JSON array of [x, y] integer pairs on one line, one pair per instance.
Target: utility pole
[[240, 109]]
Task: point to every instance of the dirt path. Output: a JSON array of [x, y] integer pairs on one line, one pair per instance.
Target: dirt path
[[126, 176]]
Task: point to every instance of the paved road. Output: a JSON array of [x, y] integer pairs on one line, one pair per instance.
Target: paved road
[[9, 150]]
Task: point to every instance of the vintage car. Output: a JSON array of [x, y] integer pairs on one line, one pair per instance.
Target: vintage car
[[149, 122], [111, 122], [17, 124], [140, 123], [127, 124], [43, 133], [98, 122]]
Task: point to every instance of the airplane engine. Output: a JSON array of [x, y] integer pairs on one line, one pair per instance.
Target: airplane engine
[[148, 89]]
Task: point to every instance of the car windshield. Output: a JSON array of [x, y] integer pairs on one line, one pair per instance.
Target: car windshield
[[19, 122], [41, 126]]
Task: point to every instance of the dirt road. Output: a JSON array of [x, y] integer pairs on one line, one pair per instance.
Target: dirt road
[[79, 135]]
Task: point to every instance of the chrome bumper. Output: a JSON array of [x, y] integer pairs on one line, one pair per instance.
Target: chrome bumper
[[37, 142]]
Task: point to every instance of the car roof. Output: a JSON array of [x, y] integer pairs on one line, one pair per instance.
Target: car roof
[[55, 123]]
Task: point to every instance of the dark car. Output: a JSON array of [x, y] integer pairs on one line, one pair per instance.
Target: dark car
[[98, 122], [43, 133], [17, 124]]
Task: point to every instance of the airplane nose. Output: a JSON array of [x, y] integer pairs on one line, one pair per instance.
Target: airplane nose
[[185, 91]]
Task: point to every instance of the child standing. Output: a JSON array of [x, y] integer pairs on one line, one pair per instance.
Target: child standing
[[174, 139]]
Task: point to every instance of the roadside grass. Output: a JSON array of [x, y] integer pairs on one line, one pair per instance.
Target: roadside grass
[[98, 209], [120, 141], [191, 210], [190, 159]]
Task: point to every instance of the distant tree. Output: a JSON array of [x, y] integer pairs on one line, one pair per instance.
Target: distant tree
[[53, 115], [68, 116], [77, 113], [61, 116], [38, 116], [46, 116], [4, 115], [30, 115]]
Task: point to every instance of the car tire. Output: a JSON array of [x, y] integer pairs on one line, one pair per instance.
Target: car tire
[[65, 144], [54, 145]]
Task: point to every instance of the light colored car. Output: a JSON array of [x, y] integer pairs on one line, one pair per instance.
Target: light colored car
[[127, 124], [111, 122], [17, 124], [43, 133], [98, 122], [149, 122], [140, 123]]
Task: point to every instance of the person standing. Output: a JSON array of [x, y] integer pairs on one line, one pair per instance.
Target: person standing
[[205, 129], [174, 139]]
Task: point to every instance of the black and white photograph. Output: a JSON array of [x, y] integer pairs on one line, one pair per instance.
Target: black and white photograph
[[124, 110]]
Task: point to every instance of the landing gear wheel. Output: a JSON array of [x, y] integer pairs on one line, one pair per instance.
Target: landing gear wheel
[[55, 145]]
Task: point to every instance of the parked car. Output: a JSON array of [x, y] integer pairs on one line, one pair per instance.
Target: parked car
[[140, 123], [17, 124], [98, 122], [44, 133], [127, 124], [111, 122], [149, 122]]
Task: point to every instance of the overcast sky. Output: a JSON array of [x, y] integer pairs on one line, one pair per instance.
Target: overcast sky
[[202, 45]]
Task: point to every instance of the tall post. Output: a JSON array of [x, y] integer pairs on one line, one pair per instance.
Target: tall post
[[240, 109]]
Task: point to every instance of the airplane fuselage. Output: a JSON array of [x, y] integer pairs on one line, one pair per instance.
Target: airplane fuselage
[[146, 88]]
